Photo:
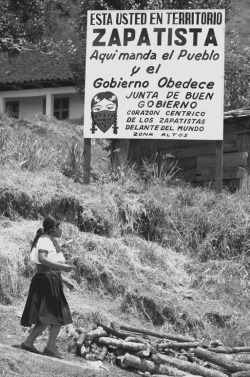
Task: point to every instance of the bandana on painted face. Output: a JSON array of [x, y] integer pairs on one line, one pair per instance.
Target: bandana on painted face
[[104, 119]]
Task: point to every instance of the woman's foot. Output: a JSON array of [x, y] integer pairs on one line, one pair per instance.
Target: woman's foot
[[29, 348], [52, 353]]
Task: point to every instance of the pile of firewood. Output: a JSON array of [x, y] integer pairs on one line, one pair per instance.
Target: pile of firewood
[[151, 353]]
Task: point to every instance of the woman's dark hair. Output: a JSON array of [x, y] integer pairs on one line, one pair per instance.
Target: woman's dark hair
[[104, 95], [49, 224]]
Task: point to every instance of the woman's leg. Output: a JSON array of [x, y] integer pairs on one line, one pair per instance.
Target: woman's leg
[[35, 332], [54, 331]]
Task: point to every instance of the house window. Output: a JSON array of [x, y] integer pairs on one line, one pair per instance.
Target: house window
[[61, 108], [44, 106], [12, 108]]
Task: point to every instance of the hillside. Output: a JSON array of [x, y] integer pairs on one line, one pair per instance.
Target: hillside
[[240, 22], [147, 252]]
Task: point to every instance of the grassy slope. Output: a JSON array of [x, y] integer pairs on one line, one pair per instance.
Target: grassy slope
[[127, 278], [189, 278]]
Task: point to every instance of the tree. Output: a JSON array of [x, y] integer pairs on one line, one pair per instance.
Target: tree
[[25, 24]]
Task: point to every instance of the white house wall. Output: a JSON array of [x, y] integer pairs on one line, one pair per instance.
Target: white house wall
[[31, 101], [76, 109], [30, 106]]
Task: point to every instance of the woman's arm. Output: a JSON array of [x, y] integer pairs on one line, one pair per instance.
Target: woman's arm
[[43, 259]]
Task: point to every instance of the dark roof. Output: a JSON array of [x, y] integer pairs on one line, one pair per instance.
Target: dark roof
[[31, 69]]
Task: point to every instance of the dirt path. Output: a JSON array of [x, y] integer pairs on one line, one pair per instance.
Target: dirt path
[[17, 362]]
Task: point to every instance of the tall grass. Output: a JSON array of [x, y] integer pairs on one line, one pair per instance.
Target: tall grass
[[163, 170], [21, 147], [43, 143], [72, 161], [14, 257]]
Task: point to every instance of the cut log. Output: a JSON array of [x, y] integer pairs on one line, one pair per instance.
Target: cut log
[[129, 346], [93, 334], [178, 345], [178, 338], [76, 335], [120, 352], [136, 362], [168, 352], [83, 351], [136, 339], [117, 333], [160, 375], [144, 365], [72, 346], [80, 330], [241, 349], [143, 353], [221, 360], [115, 326], [241, 357], [103, 353], [241, 374], [79, 342], [180, 374], [150, 347], [220, 349], [186, 366]]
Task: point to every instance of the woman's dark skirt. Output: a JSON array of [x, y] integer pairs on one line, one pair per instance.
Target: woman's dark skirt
[[46, 302]]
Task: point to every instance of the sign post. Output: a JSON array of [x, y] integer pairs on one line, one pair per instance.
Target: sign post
[[218, 166], [87, 160], [155, 74]]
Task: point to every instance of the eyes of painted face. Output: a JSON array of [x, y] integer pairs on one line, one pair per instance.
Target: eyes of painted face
[[104, 105], [111, 107]]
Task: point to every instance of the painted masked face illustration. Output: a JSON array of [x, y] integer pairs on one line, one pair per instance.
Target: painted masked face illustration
[[104, 119], [104, 111]]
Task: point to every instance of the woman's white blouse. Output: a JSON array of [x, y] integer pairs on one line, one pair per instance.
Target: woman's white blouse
[[45, 243]]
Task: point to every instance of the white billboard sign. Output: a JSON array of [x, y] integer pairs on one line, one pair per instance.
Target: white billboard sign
[[155, 74]]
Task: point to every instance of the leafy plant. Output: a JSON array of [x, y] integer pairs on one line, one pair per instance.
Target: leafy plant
[[163, 169], [72, 162], [34, 155], [237, 69]]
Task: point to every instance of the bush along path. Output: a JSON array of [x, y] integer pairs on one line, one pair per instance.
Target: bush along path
[[152, 353]]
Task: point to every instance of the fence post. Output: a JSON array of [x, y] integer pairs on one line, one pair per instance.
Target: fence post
[[218, 166], [87, 160]]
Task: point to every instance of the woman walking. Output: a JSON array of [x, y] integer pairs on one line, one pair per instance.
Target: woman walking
[[46, 304]]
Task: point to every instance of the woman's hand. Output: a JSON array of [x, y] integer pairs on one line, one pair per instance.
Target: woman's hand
[[43, 259], [70, 285], [66, 267]]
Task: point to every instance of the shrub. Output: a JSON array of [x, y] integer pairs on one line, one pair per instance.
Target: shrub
[[14, 257], [71, 164]]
